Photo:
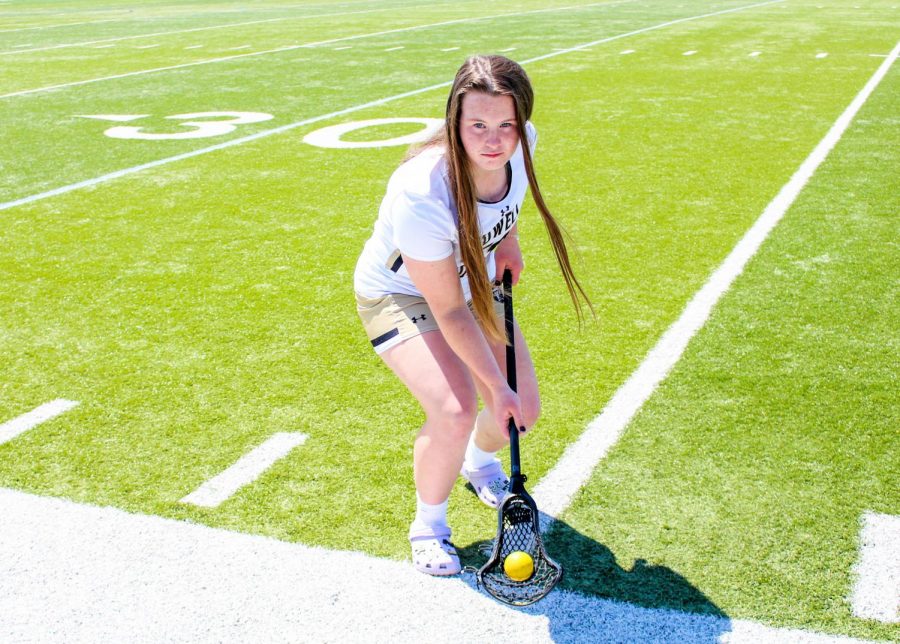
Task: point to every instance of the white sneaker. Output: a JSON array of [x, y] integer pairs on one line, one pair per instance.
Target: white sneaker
[[432, 552], [490, 482]]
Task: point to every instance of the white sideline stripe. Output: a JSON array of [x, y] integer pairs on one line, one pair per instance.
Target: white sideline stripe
[[187, 31], [306, 45], [246, 470], [12, 428], [158, 580], [556, 490], [395, 48], [876, 594], [284, 128]]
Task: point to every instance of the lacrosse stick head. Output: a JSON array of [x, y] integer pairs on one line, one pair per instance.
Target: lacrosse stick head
[[519, 531]]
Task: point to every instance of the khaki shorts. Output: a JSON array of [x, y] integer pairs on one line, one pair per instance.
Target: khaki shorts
[[391, 319]]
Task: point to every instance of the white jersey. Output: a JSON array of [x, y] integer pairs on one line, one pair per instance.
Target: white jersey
[[418, 219]]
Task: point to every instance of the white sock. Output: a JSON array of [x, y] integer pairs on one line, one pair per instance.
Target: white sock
[[476, 457], [428, 515]]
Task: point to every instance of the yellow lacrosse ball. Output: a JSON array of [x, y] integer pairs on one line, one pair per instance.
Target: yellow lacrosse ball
[[518, 566]]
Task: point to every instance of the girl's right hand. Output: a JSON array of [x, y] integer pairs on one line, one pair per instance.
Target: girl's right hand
[[505, 404]]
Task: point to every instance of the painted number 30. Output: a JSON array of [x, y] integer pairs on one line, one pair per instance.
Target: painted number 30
[[219, 123]]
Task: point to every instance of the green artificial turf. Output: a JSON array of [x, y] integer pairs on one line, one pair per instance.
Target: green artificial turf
[[198, 307]]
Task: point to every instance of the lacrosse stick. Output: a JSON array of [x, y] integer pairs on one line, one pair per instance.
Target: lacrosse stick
[[508, 575]]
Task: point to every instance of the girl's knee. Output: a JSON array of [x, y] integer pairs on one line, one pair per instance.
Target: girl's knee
[[457, 414]]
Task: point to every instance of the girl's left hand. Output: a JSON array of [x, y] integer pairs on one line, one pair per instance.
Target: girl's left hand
[[509, 255]]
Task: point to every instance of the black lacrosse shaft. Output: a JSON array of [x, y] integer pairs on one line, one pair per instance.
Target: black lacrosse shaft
[[515, 465]]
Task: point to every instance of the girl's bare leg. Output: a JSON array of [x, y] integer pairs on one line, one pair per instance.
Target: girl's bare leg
[[444, 387]]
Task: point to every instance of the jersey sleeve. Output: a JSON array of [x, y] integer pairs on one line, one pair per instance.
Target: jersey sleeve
[[531, 131], [423, 227]]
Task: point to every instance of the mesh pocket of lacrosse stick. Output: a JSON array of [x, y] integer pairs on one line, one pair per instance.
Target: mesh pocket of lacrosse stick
[[519, 531]]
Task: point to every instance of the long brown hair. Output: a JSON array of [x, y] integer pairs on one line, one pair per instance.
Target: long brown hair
[[497, 76]]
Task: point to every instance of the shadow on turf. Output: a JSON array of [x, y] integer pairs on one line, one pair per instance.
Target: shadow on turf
[[591, 570]]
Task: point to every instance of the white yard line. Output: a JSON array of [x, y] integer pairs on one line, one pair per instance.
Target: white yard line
[[247, 469], [67, 24], [17, 426], [89, 574], [662, 25], [285, 128], [186, 31], [876, 594], [557, 489], [319, 43]]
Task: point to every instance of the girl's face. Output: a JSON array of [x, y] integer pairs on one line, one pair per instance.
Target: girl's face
[[487, 127]]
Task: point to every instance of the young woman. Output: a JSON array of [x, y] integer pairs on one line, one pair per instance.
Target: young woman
[[446, 231]]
